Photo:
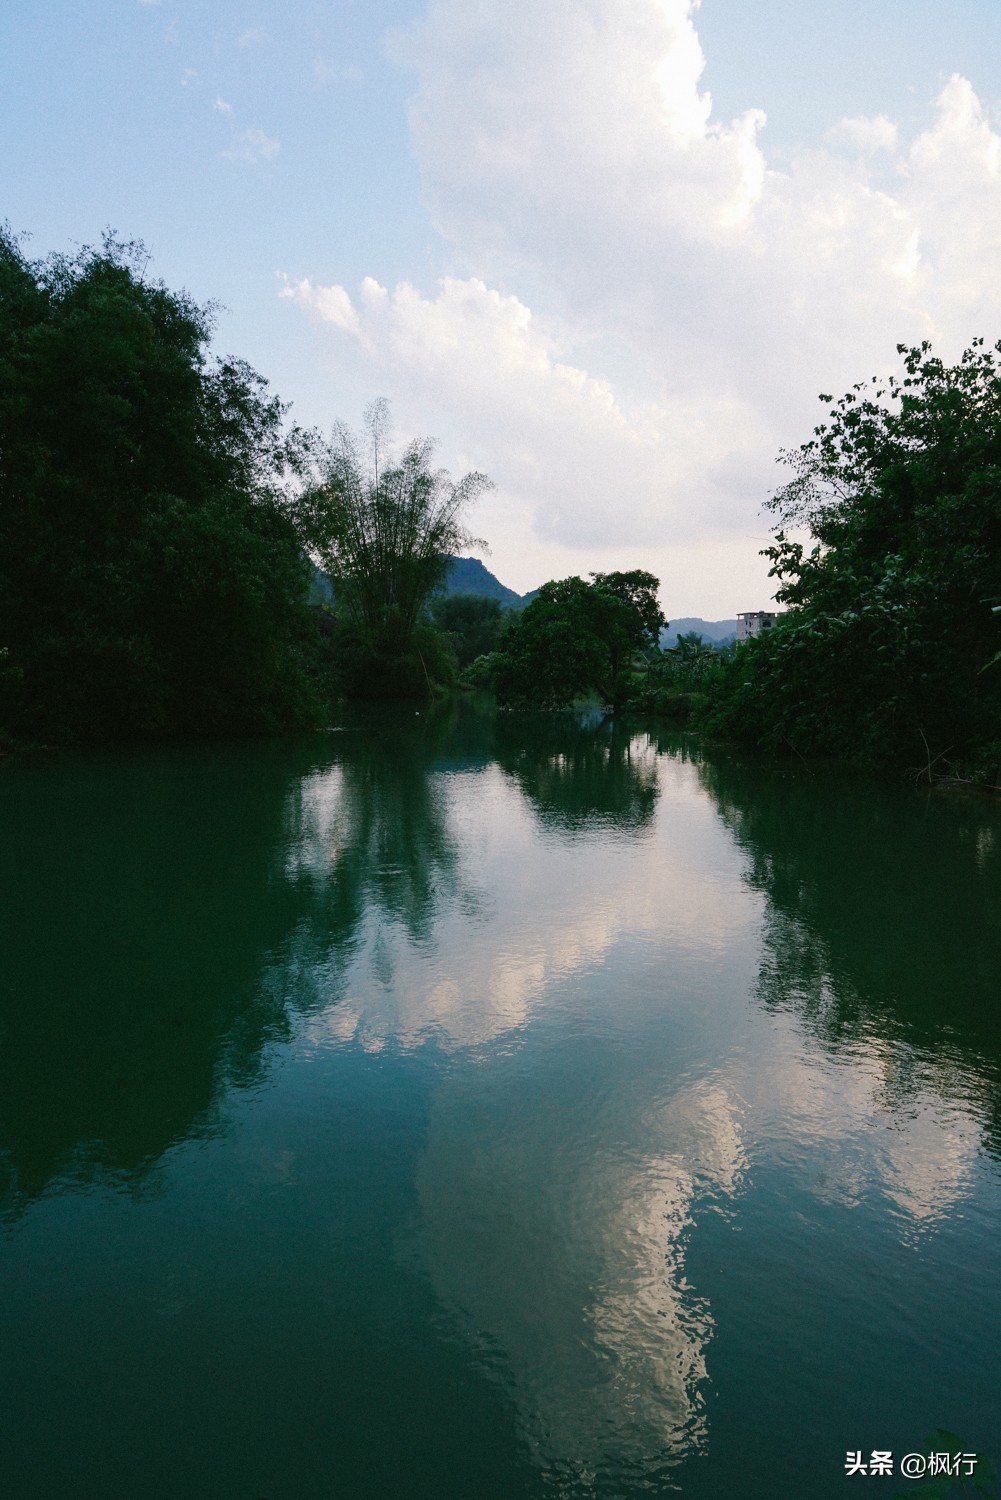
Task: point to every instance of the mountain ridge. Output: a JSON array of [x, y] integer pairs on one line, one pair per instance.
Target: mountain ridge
[[468, 575]]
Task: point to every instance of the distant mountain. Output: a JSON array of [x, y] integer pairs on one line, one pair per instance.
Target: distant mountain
[[719, 632], [467, 575]]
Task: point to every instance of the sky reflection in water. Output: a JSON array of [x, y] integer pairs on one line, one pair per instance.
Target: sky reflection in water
[[556, 1197], [669, 1053]]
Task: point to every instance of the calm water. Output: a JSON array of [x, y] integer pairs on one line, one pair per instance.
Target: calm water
[[464, 1109]]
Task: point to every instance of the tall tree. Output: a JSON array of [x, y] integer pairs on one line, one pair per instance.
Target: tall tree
[[577, 638], [888, 647], [382, 528], [150, 578], [472, 623]]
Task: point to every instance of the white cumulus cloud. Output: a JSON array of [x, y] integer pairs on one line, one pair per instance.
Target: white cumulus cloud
[[865, 135], [537, 420], [571, 149]]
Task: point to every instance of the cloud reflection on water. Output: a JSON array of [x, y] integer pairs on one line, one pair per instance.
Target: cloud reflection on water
[[506, 917], [557, 1235], [554, 1216], [602, 1024]]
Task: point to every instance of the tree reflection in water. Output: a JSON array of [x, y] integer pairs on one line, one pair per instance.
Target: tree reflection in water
[[881, 925], [580, 771], [138, 904], [164, 914], [370, 830]]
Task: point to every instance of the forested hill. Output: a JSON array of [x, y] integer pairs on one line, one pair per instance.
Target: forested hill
[[718, 632], [467, 575]]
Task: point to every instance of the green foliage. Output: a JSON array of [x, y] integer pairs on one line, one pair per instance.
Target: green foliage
[[473, 623], [674, 704], [578, 638], [675, 682], [887, 646], [150, 580], [479, 675], [377, 667], [693, 656], [382, 531], [638, 590]]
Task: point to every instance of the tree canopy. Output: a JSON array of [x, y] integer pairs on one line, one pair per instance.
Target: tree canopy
[[578, 638], [382, 528], [888, 648], [472, 623], [150, 579]]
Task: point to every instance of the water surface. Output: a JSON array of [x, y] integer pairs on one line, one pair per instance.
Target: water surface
[[453, 1107]]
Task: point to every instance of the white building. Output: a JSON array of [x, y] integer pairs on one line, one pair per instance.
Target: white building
[[753, 622]]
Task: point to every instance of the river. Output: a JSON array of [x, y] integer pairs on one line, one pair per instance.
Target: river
[[460, 1107]]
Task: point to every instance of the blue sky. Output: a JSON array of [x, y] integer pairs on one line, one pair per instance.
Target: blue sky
[[527, 224]]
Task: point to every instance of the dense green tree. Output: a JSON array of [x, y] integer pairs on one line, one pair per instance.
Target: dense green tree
[[578, 638], [888, 648], [676, 679], [150, 579], [692, 658], [638, 590], [472, 622], [382, 529]]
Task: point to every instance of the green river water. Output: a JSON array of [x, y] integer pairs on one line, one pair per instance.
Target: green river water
[[468, 1108]]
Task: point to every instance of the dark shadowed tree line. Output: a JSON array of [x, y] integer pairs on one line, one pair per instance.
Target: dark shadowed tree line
[[887, 557], [577, 640], [889, 649], [151, 578], [161, 520]]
